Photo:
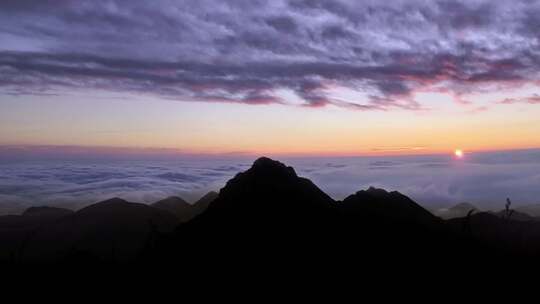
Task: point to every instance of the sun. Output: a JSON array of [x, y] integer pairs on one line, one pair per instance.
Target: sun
[[458, 153]]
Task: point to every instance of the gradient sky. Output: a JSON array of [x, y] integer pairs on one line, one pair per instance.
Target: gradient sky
[[272, 77]]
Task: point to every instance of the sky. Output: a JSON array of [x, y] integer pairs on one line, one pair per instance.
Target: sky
[[284, 77]]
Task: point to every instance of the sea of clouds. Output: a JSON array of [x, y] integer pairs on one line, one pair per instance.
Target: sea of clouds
[[484, 179]]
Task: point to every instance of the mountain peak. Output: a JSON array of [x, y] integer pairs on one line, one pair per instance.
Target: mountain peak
[[183, 210], [111, 205], [376, 191], [207, 199], [379, 203], [46, 211], [112, 201], [171, 201], [269, 166], [263, 161], [267, 190]]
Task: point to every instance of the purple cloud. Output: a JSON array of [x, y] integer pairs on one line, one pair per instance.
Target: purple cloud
[[535, 99], [247, 51]]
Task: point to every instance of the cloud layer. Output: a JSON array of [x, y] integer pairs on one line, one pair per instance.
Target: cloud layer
[[485, 180], [74, 184], [256, 52]]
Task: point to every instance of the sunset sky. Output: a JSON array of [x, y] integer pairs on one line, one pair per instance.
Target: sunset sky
[[271, 77]]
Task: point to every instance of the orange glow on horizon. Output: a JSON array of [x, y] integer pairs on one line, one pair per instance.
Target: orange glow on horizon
[[149, 151], [275, 130]]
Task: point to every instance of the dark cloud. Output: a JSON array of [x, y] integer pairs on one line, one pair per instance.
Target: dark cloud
[[283, 24], [463, 15], [335, 32], [247, 51]]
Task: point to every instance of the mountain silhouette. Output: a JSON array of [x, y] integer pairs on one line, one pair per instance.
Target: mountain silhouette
[[176, 206], [203, 203], [388, 222], [184, 210], [267, 192], [532, 210], [380, 204], [112, 229], [461, 210], [206, 200], [33, 217], [516, 216], [271, 212], [263, 210], [15, 230], [504, 236], [46, 211]]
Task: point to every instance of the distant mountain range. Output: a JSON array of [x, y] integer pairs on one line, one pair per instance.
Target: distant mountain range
[[267, 213], [459, 210], [524, 213], [532, 210], [112, 229], [184, 210]]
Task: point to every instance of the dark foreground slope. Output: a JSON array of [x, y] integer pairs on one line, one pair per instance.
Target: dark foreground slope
[[16, 230], [512, 237]]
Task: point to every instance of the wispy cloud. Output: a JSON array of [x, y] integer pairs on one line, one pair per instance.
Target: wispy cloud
[[398, 149], [535, 99], [74, 184]]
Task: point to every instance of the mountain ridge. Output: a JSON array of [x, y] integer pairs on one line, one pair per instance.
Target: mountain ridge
[[184, 210]]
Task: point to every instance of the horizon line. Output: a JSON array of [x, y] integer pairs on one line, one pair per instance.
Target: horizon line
[[119, 151]]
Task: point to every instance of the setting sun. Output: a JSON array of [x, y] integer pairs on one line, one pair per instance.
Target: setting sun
[[458, 153]]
